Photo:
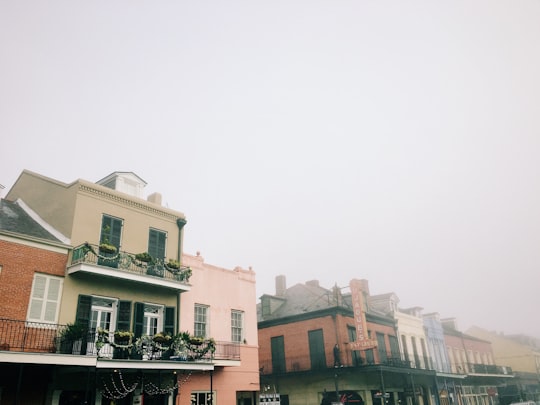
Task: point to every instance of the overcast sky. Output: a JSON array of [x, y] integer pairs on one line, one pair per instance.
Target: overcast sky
[[395, 141]]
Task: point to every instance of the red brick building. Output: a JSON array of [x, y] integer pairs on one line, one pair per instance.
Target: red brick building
[[33, 259]]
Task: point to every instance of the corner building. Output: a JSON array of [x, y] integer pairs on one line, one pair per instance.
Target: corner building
[[130, 329], [343, 345]]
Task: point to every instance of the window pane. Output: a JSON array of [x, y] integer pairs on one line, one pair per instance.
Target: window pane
[[200, 320], [237, 320]]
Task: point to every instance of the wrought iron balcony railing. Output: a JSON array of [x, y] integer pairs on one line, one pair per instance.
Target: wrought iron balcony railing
[[484, 369], [128, 262], [348, 359], [36, 337]]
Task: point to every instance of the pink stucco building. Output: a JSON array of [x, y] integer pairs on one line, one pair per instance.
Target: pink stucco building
[[221, 304]]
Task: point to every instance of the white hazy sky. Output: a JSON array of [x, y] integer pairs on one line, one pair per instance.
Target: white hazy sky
[[396, 141]]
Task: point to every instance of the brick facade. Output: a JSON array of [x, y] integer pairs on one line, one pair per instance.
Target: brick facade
[[19, 262]]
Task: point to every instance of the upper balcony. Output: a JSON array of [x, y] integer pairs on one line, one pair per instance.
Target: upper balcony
[[475, 369], [88, 258]]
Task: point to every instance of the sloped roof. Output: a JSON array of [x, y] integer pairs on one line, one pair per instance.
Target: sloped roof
[[14, 218]]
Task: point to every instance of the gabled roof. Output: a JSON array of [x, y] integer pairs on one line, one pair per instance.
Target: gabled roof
[[16, 217]]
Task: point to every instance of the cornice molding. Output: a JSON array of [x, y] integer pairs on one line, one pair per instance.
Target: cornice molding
[[117, 199]]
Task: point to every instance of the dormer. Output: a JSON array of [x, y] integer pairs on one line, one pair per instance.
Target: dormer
[[125, 182]]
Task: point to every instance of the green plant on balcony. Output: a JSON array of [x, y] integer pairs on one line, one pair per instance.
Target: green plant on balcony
[[123, 336], [102, 339], [173, 264], [71, 338], [144, 257], [105, 247], [162, 339]]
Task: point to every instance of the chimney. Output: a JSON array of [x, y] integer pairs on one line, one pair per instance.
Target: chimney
[[450, 323], [337, 295], [155, 198], [281, 285], [313, 283]]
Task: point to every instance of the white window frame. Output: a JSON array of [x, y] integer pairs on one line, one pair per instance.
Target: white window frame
[[235, 327], [210, 398], [159, 315], [206, 309], [45, 299]]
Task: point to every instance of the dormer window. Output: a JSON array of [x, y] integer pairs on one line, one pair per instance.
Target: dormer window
[[126, 182]]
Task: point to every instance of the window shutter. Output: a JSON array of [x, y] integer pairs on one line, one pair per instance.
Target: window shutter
[[124, 316], [169, 320], [84, 307], [139, 319], [156, 244]]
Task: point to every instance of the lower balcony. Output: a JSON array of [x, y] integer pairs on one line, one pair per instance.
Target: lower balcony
[[88, 258], [39, 338]]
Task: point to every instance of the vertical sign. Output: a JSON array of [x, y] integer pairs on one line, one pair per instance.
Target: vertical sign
[[359, 312]]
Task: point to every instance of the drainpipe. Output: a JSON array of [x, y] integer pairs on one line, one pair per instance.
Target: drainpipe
[[180, 222]]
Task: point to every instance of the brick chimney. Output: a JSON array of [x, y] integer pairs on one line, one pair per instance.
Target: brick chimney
[[281, 285]]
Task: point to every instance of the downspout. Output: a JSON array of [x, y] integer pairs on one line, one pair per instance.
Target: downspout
[[180, 222]]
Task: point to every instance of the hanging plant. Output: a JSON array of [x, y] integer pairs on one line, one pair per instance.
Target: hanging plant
[[107, 248], [173, 264], [143, 257]]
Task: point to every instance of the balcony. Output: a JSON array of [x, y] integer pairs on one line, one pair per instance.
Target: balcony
[[485, 369], [40, 338], [349, 359], [87, 258]]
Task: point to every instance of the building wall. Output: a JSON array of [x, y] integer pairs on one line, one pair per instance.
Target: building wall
[[506, 351], [464, 351], [20, 259], [436, 344], [76, 210], [223, 290], [138, 217], [411, 331], [53, 200]]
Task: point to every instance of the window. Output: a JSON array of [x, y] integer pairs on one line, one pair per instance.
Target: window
[[201, 320], [237, 326], [316, 349], [156, 244], [356, 357], [381, 344], [45, 298], [277, 346], [202, 398], [111, 230], [153, 319]]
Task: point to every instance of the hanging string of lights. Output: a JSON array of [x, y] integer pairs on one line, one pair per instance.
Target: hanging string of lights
[[120, 390]]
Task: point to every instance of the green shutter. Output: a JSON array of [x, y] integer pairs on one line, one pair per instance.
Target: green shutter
[[84, 307], [316, 349], [123, 321], [169, 320], [277, 347], [138, 319], [111, 230], [156, 244]]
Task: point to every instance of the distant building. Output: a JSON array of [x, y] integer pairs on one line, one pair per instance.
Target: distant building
[[321, 346], [522, 354]]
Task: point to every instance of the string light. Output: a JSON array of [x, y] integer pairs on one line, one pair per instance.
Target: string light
[[117, 392]]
